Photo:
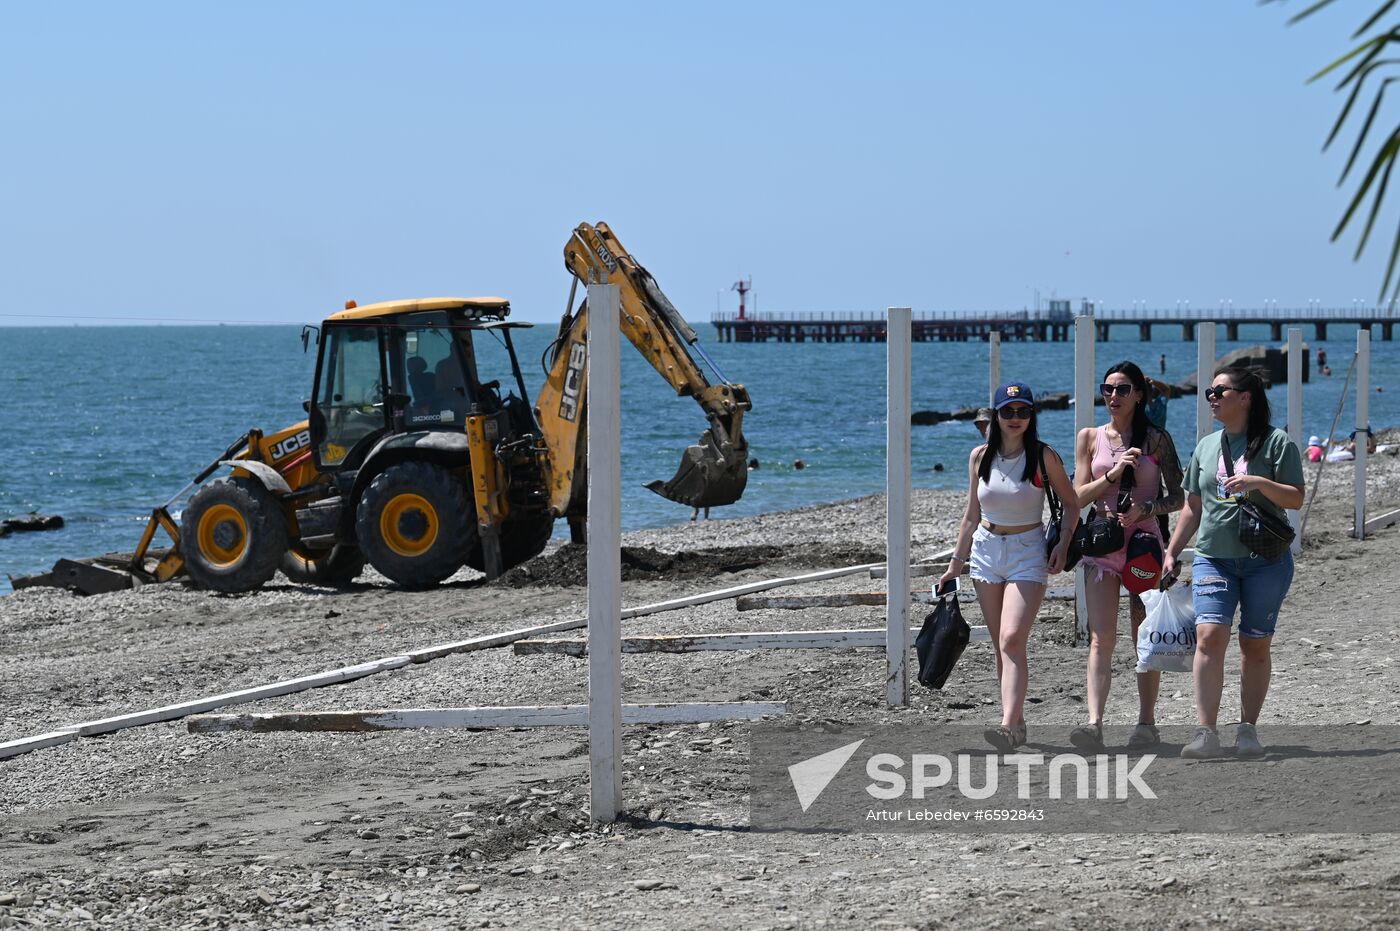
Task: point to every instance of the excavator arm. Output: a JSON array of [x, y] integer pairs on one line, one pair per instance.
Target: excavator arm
[[712, 472]]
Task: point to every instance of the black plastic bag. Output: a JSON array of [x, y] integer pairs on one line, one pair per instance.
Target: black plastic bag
[[941, 641]]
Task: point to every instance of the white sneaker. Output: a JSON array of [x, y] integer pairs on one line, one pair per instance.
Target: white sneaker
[[1144, 736], [1247, 745], [1203, 745]]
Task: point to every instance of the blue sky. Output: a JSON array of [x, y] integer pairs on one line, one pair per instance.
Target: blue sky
[[266, 161]]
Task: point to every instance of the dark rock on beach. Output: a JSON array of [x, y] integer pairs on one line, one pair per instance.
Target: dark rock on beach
[[32, 521], [1049, 402]]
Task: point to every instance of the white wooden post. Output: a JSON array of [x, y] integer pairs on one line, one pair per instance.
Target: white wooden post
[[1295, 413], [1363, 417], [604, 555], [899, 384], [1205, 373], [1084, 336], [993, 365]]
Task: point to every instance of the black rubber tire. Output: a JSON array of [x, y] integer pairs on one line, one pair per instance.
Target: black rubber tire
[[334, 568], [453, 509], [521, 540], [262, 547]]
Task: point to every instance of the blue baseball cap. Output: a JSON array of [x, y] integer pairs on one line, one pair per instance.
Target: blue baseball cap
[[1013, 392]]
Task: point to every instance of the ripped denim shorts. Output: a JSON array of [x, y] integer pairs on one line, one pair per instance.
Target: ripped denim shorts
[[1256, 586]]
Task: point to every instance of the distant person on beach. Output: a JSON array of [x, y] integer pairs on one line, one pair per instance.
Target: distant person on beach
[[1162, 364], [1315, 450], [983, 420], [1127, 447], [1002, 543], [1158, 393], [1341, 452], [1267, 470]]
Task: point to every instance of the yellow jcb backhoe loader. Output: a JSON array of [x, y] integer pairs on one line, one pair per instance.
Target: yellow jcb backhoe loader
[[416, 458]]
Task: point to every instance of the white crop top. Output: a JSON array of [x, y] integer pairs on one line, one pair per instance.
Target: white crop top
[[1007, 499]]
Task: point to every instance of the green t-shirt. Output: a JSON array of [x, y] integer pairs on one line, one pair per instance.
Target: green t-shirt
[[1278, 460]]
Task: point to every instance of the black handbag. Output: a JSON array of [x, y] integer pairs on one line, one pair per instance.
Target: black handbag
[[1261, 531], [1057, 516], [941, 641], [1099, 536]]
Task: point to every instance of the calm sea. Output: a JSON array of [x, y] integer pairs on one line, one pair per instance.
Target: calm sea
[[103, 423]]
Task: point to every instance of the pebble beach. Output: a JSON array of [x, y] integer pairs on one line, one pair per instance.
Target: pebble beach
[[155, 827]]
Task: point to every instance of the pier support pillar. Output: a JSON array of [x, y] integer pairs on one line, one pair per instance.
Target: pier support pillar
[[1145, 332], [1275, 331], [1321, 330], [1102, 330], [1188, 333], [1232, 332]]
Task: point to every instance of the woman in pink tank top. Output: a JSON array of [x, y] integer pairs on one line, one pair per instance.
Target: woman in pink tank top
[[1102, 457]]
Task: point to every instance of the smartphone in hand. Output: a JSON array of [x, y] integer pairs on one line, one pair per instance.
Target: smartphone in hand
[[951, 587]]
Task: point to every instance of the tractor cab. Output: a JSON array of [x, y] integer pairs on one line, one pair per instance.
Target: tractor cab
[[403, 367]]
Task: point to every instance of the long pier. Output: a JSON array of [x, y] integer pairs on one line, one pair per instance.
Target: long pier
[[868, 326]]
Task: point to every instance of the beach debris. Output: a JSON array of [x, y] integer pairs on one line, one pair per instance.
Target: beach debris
[[29, 523], [1050, 402], [568, 565]]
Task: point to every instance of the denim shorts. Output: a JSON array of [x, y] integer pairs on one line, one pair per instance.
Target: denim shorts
[[1256, 586], [1013, 557]]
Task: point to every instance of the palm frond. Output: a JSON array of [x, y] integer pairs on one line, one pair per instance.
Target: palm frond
[[1390, 269], [1378, 199], [1351, 100], [1385, 8], [1386, 154], [1365, 128], [1309, 11]]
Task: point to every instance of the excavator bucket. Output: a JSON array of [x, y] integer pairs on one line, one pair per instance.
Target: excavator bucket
[[708, 475]]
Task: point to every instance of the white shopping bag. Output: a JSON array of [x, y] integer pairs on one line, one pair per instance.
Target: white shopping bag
[[1167, 638]]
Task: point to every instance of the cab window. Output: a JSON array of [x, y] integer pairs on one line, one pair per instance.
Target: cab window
[[351, 398], [429, 372]]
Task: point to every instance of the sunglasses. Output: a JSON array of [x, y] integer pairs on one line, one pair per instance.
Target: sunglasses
[[1215, 394], [1015, 412], [1109, 391]]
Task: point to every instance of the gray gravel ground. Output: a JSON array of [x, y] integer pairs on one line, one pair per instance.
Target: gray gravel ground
[[156, 828]]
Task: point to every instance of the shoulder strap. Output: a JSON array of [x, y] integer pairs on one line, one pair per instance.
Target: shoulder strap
[[1055, 508], [1127, 482], [1226, 454]]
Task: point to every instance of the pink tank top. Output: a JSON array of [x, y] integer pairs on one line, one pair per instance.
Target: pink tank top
[[1148, 477]]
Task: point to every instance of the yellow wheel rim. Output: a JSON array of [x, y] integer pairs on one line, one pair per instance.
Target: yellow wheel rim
[[223, 535], [409, 525]]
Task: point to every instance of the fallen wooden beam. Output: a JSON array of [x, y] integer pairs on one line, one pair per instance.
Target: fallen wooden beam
[[934, 565], [752, 640], [373, 667], [794, 602], [862, 599], [1381, 521], [479, 718], [737, 590], [37, 742]]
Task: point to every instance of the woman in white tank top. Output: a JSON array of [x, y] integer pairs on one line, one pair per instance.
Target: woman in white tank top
[[1002, 543]]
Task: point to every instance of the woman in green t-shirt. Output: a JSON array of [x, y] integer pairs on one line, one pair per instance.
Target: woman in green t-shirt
[[1268, 470]]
